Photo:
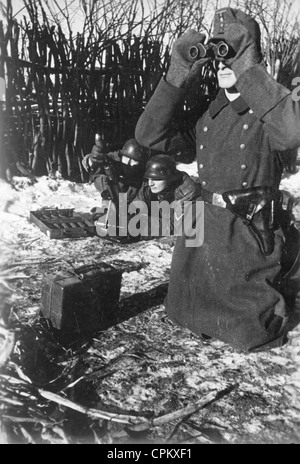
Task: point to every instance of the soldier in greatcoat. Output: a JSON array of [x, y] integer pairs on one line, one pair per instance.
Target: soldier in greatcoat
[[233, 287]]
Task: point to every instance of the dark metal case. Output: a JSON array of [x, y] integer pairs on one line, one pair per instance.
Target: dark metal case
[[83, 300]]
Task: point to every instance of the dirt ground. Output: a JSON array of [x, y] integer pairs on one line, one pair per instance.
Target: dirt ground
[[141, 379]]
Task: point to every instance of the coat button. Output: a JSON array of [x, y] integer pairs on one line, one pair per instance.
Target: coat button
[[205, 129], [250, 111], [203, 183], [201, 166], [243, 166], [242, 146], [244, 184], [201, 147], [245, 126]]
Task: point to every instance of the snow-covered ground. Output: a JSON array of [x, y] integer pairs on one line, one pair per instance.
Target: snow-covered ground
[[144, 364]]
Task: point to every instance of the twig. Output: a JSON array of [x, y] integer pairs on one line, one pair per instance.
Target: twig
[[13, 276], [198, 436], [203, 403], [2, 282], [13, 380], [188, 410], [26, 435], [73, 383], [10, 401], [199, 439], [138, 423], [60, 432], [21, 373], [8, 345], [27, 419], [96, 413], [192, 408], [31, 241], [16, 214]]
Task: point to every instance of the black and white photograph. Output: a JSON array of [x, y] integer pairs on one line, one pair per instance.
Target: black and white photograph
[[150, 224]]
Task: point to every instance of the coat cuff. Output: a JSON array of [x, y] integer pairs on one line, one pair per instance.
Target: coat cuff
[[260, 90], [162, 105]]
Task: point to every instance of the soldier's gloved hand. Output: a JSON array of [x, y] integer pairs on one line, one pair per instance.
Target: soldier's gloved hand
[[189, 190], [98, 212], [246, 53], [97, 155], [182, 62], [105, 195]]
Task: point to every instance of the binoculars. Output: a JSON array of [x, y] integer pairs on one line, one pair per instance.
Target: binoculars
[[210, 50]]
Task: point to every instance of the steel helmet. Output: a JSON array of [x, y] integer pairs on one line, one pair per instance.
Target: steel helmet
[[133, 150], [161, 167]]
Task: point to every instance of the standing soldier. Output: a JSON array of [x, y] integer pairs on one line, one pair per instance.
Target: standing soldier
[[231, 287]]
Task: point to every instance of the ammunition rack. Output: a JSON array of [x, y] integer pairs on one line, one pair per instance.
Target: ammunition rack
[[62, 223]]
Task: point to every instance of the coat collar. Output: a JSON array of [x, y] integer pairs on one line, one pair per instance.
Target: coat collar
[[239, 105]]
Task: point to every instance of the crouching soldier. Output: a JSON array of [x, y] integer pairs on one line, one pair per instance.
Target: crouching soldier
[[162, 196], [158, 202], [118, 171]]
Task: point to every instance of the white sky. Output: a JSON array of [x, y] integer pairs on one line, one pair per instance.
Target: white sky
[[18, 10]]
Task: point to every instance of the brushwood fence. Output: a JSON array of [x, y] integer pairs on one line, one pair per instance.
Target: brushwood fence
[[60, 93], [58, 98]]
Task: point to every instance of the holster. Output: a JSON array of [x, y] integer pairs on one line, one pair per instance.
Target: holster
[[256, 207]]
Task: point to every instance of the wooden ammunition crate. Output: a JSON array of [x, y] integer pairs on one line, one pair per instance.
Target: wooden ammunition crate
[[62, 223]]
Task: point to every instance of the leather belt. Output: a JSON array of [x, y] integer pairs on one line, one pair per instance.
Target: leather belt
[[217, 200]]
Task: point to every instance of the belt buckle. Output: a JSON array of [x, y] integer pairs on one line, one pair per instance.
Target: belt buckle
[[217, 200]]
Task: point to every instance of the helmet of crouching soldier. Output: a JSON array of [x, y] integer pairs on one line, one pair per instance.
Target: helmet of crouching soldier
[[133, 150], [161, 167]]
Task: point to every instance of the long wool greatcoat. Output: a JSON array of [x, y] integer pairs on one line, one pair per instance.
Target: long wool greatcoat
[[224, 288]]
